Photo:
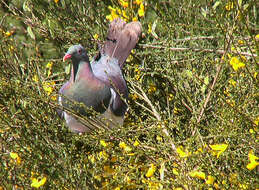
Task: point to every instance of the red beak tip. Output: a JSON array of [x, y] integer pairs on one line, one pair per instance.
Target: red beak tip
[[67, 56]]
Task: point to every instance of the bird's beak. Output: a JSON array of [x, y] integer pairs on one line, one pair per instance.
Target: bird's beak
[[67, 56]]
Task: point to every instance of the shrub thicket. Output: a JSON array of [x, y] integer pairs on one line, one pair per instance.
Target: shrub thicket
[[193, 109]]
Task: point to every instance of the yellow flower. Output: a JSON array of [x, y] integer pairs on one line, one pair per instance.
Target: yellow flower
[[138, 2], [210, 180], [136, 143], [256, 121], [35, 78], [236, 63], [257, 36], [124, 4], [197, 174], [7, 34], [13, 155], [103, 155], [251, 131], [141, 10], [91, 158], [48, 87], [218, 149], [96, 36], [151, 170], [16, 157], [175, 172], [229, 6], [38, 183], [49, 65], [232, 82], [103, 143], [113, 14], [135, 19], [241, 42], [252, 158], [182, 153], [176, 110], [125, 147]]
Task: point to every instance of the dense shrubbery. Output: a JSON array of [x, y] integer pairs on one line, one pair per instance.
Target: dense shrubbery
[[193, 80]]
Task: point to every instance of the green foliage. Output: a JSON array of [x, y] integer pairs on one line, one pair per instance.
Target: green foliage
[[193, 81]]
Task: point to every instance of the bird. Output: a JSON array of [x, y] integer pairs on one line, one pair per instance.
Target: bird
[[97, 90]]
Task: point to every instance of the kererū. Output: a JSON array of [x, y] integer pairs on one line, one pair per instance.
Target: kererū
[[99, 87]]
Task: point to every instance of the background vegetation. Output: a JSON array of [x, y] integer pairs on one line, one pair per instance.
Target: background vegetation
[[193, 80]]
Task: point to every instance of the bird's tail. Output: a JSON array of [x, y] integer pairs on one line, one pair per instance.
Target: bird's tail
[[121, 39]]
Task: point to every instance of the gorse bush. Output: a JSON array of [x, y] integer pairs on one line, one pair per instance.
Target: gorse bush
[[193, 106]]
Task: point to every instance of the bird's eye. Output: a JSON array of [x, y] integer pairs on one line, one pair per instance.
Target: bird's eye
[[80, 51]]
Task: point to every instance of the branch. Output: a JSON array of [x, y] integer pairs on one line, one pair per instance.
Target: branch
[[218, 51]]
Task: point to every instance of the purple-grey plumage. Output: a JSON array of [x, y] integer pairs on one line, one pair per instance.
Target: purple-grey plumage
[[101, 84]]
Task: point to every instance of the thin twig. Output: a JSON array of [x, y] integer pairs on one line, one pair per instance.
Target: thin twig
[[218, 51], [209, 94], [156, 114]]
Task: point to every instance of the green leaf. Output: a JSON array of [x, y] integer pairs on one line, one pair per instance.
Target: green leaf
[[206, 80], [31, 34], [154, 28], [217, 3]]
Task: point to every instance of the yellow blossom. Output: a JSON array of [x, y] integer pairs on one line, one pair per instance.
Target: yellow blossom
[[124, 15], [151, 170], [175, 171], [134, 19], [251, 131], [255, 74], [241, 42], [159, 138], [252, 158], [49, 65], [48, 87], [257, 36], [138, 2], [236, 63], [232, 82], [197, 174], [141, 10], [243, 186], [16, 157], [113, 14], [38, 183], [53, 97], [7, 34], [123, 3], [218, 149], [176, 110], [56, 1], [171, 97], [35, 78], [229, 6], [210, 180], [136, 143], [125, 147], [96, 36], [182, 153], [103, 155], [103, 143], [256, 121]]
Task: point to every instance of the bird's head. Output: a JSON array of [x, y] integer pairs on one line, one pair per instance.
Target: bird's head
[[76, 53]]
